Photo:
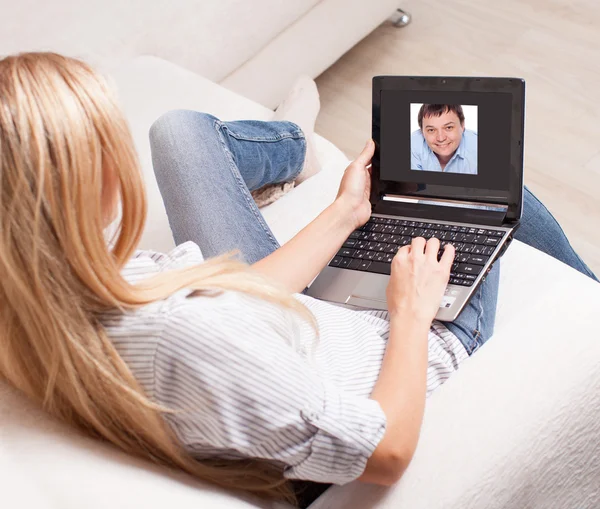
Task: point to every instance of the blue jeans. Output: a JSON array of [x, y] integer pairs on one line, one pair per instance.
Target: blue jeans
[[206, 168]]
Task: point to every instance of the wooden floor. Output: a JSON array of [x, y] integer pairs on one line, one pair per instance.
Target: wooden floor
[[553, 44]]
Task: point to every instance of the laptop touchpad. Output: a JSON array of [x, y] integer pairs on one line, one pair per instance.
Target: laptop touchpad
[[370, 291]]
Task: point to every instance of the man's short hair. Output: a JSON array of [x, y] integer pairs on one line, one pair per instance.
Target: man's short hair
[[437, 110]]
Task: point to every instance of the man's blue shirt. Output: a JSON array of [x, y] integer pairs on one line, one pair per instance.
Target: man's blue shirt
[[464, 159]]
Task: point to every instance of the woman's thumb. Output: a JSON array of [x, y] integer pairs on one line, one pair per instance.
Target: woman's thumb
[[367, 153]]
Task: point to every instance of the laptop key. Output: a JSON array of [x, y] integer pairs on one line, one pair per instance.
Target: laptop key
[[345, 262], [379, 257], [380, 268], [487, 250], [354, 264], [470, 277], [479, 239], [346, 252], [478, 259], [335, 261], [354, 235], [467, 268], [492, 241], [349, 243], [364, 265]]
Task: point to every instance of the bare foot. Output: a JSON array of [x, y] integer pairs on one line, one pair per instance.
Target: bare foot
[[301, 106]]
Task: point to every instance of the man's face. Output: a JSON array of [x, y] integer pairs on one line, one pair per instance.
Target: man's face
[[443, 133]]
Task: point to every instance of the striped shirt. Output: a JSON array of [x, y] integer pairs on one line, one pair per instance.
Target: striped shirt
[[251, 379]]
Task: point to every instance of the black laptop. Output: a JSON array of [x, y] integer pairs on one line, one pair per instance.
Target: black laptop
[[448, 164]]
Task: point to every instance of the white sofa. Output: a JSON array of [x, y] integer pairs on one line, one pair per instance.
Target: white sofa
[[255, 48], [517, 427]]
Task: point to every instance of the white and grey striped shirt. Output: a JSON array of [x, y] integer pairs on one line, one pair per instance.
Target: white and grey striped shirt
[[242, 370]]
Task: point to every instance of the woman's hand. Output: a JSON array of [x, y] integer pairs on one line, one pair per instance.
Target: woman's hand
[[418, 280], [355, 187]]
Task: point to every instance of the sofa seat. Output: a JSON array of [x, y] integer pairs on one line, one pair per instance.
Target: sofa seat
[[517, 426]]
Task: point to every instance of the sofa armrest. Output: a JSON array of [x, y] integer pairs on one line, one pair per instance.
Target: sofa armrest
[[519, 424]]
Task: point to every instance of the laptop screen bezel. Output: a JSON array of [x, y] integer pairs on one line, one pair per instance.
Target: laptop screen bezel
[[380, 188]]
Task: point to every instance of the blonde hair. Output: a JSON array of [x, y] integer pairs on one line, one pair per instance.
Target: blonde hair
[[62, 135]]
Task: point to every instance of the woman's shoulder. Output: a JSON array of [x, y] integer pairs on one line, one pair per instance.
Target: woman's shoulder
[[146, 263]]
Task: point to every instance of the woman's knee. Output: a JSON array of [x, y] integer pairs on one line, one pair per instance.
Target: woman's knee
[[175, 126]]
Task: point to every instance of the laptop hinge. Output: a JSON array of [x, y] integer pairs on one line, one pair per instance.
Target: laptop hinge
[[480, 212]]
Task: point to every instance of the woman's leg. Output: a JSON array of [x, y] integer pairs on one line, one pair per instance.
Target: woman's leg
[[539, 229], [205, 170], [475, 325]]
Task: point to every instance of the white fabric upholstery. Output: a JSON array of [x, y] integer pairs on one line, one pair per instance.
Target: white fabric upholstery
[[258, 46], [212, 37], [310, 45]]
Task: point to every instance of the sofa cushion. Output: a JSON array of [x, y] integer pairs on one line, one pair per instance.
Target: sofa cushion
[[225, 33], [149, 86]]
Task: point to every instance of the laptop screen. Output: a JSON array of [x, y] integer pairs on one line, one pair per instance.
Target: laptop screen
[[454, 142]]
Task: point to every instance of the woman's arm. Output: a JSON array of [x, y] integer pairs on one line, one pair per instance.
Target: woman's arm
[[296, 263], [416, 288]]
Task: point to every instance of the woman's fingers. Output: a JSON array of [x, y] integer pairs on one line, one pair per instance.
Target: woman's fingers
[[418, 245], [447, 257], [364, 158], [431, 251]]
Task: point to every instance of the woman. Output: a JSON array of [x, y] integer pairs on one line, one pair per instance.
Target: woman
[[213, 368]]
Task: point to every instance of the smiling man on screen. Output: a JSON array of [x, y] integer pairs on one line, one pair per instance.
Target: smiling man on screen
[[442, 143]]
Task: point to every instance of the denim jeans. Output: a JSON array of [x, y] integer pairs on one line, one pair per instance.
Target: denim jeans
[[206, 168]]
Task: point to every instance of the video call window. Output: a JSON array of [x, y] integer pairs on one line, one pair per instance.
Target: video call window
[[444, 138]]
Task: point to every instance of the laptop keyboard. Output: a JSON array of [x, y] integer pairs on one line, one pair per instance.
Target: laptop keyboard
[[372, 247]]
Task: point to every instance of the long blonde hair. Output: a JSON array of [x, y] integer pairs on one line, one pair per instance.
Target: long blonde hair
[[61, 135]]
